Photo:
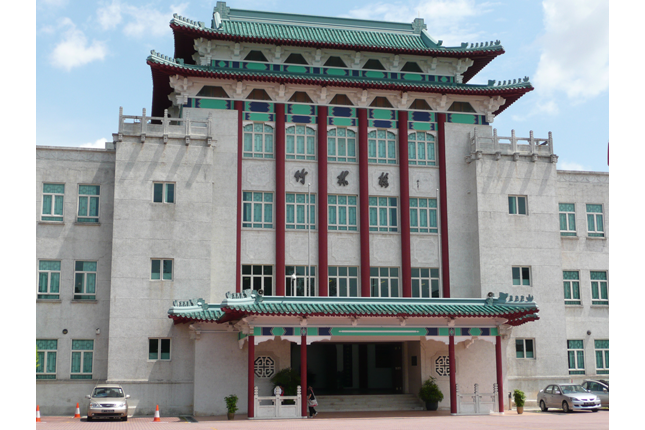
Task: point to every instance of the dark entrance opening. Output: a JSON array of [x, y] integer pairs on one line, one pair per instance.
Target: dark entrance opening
[[352, 368]]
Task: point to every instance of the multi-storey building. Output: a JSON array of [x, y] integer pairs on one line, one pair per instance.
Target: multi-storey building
[[324, 194]]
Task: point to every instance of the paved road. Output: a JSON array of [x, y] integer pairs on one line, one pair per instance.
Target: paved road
[[531, 420]]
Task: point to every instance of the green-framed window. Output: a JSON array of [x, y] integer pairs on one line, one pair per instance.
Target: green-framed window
[[341, 145], [595, 222], [53, 202], [421, 149], [571, 281], [299, 286], [88, 203], [296, 215], [521, 276], [258, 277], [163, 192], [517, 205], [82, 357], [85, 280], [567, 219], [48, 279], [161, 269], [46, 358], [159, 349], [257, 209], [342, 213], [258, 140], [383, 214], [602, 356], [384, 282], [425, 282], [423, 215], [343, 281], [599, 288], [576, 354], [300, 142], [524, 348], [381, 147]]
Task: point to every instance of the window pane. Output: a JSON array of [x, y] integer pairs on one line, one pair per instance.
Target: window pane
[[156, 269], [170, 193], [153, 349], [158, 193]]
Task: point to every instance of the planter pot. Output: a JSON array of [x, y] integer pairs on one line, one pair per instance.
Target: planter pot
[[520, 409], [230, 415], [432, 406]]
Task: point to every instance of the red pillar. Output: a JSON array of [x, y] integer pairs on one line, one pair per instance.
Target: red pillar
[[251, 375], [323, 273], [404, 192], [443, 203], [453, 377], [364, 201], [239, 107], [303, 370], [499, 370], [280, 199]]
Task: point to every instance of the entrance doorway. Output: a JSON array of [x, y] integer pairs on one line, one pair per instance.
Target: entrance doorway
[[352, 368]]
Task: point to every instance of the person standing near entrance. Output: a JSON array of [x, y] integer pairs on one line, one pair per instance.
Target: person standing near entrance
[[311, 402]]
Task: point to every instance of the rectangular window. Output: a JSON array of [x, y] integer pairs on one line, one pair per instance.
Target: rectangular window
[[383, 214], [384, 281], [53, 198], [88, 203], [297, 215], [258, 277], [602, 356], [48, 279], [82, 356], [567, 219], [343, 281], [425, 282], [46, 358], [423, 215], [599, 288], [258, 140], [341, 145], [595, 224], [571, 281], [85, 280], [517, 205], [298, 285], [381, 147], [159, 349], [257, 210], [161, 270], [300, 142], [522, 276], [421, 149], [524, 348], [576, 352], [342, 211], [163, 192]]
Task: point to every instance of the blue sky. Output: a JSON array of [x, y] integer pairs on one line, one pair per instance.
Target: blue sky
[[90, 59]]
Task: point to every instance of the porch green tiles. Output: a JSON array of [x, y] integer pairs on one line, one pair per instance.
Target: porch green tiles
[[342, 122], [387, 114], [260, 117], [213, 104], [297, 109], [422, 126], [460, 118]]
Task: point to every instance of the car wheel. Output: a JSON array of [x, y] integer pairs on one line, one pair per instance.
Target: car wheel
[[543, 406], [594, 410], [565, 407], [89, 418], [125, 418]]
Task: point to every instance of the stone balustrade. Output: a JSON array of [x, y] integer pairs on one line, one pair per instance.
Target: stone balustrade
[[511, 146]]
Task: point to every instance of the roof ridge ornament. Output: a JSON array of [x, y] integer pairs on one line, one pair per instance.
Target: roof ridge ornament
[[222, 9], [418, 25]]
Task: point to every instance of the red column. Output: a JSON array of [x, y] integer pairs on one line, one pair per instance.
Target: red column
[[303, 370], [404, 192], [500, 374], [453, 377], [251, 375], [364, 202], [323, 273], [280, 199], [239, 107], [443, 203]]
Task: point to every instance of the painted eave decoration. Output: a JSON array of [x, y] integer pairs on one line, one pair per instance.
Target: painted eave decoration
[[516, 310]]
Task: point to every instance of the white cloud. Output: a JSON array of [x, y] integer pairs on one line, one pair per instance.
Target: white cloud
[[137, 21], [110, 15], [567, 165], [54, 3], [74, 50], [99, 144]]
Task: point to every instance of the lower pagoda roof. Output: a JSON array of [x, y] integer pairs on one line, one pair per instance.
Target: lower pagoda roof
[[515, 310]]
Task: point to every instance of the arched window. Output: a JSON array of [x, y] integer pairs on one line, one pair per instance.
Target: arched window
[[341, 145], [256, 56], [300, 97], [258, 141], [335, 62], [381, 147], [411, 66], [420, 104], [421, 149], [373, 64], [381, 102], [300, 143], [296, 59], [341, 99], [258, 94], [210, 91], [461, 107]]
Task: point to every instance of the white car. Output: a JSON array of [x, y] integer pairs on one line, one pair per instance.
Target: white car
[[569, 397], [599, 387], [107, 401]]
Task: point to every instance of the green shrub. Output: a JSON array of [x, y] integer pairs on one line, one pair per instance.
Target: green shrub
[[288, 379], [430, 391], [231, 403], [519, 398]]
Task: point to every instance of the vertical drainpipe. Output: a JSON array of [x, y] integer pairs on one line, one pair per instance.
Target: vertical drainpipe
[[323, 273], [364, 202], [239, 107], [280, 199], [453, 377], [404, 192], [251, 375], [500, 375], [303, 369], [443, 202]]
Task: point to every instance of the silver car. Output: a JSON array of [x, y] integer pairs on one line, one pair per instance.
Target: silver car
[[569, 397], [599, 387], [107, 401]]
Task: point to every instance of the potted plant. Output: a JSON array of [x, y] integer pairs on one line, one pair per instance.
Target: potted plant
[[431, 394], [231, 405], [519, 398]]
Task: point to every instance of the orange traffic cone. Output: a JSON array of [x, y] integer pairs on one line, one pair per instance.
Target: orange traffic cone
[[157, 419], [37, 413], [78, 412]]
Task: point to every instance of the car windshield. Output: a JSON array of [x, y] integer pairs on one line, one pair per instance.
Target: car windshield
[[107, 392], [568, 389]]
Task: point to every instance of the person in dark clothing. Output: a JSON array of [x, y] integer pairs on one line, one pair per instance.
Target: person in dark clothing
[[311, 402]]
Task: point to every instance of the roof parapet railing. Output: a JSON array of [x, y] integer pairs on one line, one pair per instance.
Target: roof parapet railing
[[512, 145]]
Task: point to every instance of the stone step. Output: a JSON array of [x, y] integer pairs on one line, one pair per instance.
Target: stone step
[[382, 402]]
